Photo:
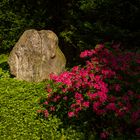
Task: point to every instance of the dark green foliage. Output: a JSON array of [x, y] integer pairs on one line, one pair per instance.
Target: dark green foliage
[[10, 26], [79, 24], [16, 17], [4, 67], [94, 21]]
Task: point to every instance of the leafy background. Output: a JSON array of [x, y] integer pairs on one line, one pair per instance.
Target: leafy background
[[79, 24]]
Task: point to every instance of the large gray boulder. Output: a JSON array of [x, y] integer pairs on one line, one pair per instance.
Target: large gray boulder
[[36, 55]]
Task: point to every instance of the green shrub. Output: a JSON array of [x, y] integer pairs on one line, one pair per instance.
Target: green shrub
[[4, 68], [18, 114]]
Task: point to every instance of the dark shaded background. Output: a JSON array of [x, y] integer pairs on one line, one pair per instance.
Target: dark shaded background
[[79, 24]]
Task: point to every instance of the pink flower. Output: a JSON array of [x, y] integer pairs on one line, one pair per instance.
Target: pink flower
[[64, 90], [138, 61], [78, 102], [96, 106], [97, 86], [111, 106], [65, 98], [67, 82], [73, 106], [55, 100], [86, 104], [120, 113], [49, 95], [130, 93], [75, 68], [125, 98], [120, 104], [46, 103], [97, 78], [77, 110], [53, 76], [138, 96], [46, 113], [49, 90], [104, 135], [78, 96], [91, 75], [100, 111], [99, 47], [112, 99], [108, 73], [52, 108], [86, 53], [58, 97], [117, 87], [78, 84], [135, 116], [70, 114], [92, 96], [102, 96], [137, 131]]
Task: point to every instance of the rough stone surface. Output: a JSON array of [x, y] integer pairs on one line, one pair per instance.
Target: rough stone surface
[[36, 55]]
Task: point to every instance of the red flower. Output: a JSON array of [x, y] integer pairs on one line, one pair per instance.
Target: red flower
[[65, 98], [100, 111], [77, 110], [112, 99], [86, 53], [52, 108], [111, 106], [70, 114], [46, 113], [78, 96], [92, 96], [85, 104], [75, 68], [46, 103], [137, 131], [102, 96], [96, 106], [49, 90], [135, 116], [117, 87], [78, 102], [104, 135]]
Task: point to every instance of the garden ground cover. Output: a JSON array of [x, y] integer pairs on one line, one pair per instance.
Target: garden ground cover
[[18, 116]]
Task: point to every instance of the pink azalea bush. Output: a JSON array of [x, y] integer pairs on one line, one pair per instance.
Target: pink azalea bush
[[105, 92]]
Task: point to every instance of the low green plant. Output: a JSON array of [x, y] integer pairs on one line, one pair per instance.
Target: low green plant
[[3, 58], [4, 68], [18, 117]]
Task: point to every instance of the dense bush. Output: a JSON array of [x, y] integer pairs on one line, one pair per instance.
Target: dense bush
[[79, 24], [18, 16], [102, 96], [18, 118]]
